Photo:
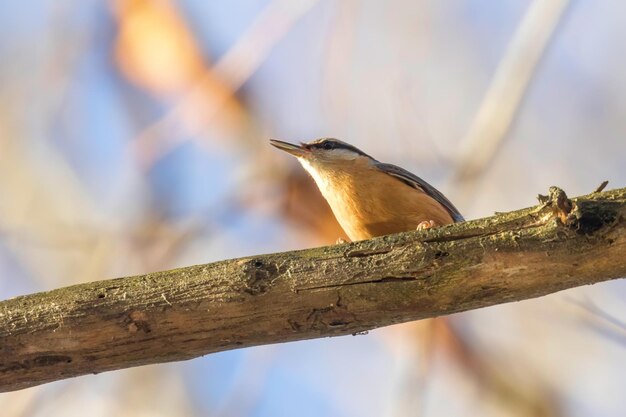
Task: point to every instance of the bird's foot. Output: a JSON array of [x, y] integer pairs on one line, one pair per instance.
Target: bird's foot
[[426, 224], [340, 241]]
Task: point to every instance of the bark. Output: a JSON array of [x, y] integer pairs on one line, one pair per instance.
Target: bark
[[329, 291]]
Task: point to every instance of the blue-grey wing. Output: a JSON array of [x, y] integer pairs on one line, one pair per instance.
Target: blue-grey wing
[[418, 183]]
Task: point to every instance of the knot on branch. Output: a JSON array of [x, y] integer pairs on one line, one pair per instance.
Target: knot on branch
[[259, 275], [559, 203], [580, 216]]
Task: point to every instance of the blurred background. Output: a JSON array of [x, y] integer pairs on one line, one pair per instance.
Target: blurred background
[[134, 138]]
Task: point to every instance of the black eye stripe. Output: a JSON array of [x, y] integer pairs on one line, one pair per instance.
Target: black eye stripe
[[324, 144], [329, 144]]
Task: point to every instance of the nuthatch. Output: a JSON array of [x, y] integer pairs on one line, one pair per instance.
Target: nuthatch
[[370, 198]]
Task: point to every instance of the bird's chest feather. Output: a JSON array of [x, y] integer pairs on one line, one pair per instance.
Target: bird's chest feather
[[369, 203], [344, 192], [357, 201]]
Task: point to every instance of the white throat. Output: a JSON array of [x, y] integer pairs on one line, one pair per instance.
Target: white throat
[[319, 174]]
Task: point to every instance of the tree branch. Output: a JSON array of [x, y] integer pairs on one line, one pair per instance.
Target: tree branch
[[329, 291]]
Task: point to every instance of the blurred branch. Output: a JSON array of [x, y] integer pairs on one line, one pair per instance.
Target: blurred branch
[[329, 291], [231, 71], [507, 89]]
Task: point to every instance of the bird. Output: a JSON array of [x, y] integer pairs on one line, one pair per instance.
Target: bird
[[370, 198]]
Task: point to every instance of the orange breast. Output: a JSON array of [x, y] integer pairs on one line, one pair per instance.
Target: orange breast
[[378, 204]]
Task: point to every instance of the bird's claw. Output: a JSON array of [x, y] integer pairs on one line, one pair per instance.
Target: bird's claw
[[340, 241], [426, 224]]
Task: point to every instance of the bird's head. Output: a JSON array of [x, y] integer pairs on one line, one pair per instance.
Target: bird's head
[[323, 153]]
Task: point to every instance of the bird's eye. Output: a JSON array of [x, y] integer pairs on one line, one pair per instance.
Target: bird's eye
[[328, 145]]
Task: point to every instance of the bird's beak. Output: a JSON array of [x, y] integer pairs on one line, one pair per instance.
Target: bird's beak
[[295, 150]]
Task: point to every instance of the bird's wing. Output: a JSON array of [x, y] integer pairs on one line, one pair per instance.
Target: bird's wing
[[418, 183]]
